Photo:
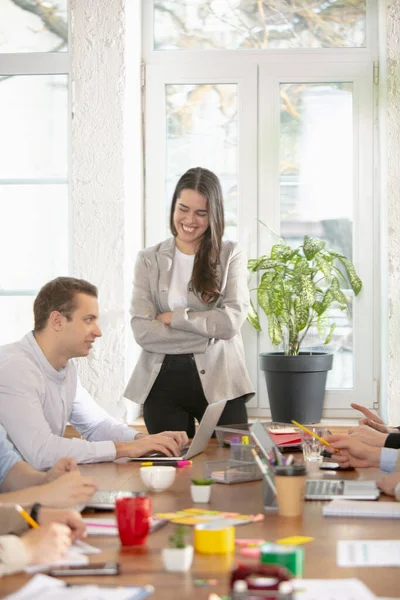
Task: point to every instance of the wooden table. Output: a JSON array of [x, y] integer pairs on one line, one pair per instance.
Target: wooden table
[[143, 565]]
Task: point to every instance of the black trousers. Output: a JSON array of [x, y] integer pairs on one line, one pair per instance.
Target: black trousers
[[177, 399]]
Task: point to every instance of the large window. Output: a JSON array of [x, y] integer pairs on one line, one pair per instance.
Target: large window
[[34, 215], [277, 99]]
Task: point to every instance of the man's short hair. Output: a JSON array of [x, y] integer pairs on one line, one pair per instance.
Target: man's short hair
[[60, 295]]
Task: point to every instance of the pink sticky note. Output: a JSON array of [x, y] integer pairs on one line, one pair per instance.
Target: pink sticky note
[[250, 552], [244, 542]]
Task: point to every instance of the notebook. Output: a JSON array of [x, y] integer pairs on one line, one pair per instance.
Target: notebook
[[349, 508], [328, 489]]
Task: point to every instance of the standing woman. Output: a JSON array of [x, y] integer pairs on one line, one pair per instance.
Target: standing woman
[[190, 299]]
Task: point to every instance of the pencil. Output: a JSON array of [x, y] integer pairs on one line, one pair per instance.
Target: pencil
[[27, 517], [264, 470], [313, 434]]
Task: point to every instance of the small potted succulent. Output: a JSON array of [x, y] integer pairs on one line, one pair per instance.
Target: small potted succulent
[[201, 490], [178, 556]]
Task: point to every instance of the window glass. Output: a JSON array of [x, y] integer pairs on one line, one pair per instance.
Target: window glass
[[316, 190], [257, 24], [202, 132], [33, 26], [33, 235], [34, 126], [17, 312]]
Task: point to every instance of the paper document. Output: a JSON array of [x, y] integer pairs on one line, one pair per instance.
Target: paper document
[[106, 526], [368, 553], [331, 589], [74, 556], [48, 588]]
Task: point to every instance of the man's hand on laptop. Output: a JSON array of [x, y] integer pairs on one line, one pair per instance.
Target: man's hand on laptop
[[169, 443], [353, 453], [68, 490]]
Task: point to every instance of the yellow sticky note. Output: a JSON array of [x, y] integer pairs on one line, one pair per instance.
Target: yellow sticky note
[[294, 540]]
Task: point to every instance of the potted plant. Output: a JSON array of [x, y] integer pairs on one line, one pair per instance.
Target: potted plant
[[296, 290], [178, 556], [201, 490]]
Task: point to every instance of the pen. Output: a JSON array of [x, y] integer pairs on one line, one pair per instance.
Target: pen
[[264, 470], [317, 437], [168, 463], [27, 517]]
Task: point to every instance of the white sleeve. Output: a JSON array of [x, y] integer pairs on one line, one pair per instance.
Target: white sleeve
[[94, 423], [13, 555], [21, 414]]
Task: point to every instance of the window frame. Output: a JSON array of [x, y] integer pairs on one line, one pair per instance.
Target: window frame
[[265, 71]]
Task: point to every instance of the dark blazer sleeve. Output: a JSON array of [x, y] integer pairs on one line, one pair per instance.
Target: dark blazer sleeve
[[393, 440]]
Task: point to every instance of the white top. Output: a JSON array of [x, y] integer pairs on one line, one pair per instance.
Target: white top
[[181, 275], [37, 402]]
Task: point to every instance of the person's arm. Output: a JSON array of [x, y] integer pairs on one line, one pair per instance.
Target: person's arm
[[22, 415], [150, 334], [94, 423], [11, 521], [14, 555], [225, 321], [388, 459]]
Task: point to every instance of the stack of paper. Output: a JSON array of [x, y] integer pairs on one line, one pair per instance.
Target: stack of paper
[[48, 588], [332, 589], [368, 553], [75, 556]]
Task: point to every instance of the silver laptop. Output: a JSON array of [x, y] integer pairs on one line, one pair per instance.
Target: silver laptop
[[319, 489], [328, 489], [200, 440]]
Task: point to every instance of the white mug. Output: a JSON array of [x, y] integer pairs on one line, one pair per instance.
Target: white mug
[[157, 479]]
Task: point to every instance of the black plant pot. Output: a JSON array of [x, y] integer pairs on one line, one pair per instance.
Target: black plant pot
[[296, 385]]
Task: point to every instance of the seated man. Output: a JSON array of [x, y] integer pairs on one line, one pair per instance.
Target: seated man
[[47, 544], [373, 431], [62, 486], [40, 390], [353, 453]]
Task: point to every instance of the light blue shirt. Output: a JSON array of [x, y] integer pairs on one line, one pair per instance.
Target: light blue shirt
[[8, 455], [389, 458]]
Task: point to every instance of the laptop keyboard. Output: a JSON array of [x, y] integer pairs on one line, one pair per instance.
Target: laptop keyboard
[[319, 488], [103, 497]]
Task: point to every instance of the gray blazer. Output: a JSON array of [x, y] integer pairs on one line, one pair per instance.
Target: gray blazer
[[212, 334]]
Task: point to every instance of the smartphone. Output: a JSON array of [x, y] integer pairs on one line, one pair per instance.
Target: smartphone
[[105, 568], [333, 466]]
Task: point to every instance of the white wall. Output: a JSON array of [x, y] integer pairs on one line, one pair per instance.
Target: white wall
[[393, 192], [103, 189]]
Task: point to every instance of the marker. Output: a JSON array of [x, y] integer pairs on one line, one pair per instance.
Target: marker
[[317, 437], [168, 463], [27, 517], [289, 460]]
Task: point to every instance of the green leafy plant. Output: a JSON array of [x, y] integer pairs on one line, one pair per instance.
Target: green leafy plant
[[178, 539], [297, 288], [202, 481]]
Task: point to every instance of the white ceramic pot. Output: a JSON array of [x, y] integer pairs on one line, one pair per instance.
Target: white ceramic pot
[[177, 559], [200, 493]]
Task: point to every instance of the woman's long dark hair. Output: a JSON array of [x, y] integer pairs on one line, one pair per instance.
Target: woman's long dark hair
[[205, 280]]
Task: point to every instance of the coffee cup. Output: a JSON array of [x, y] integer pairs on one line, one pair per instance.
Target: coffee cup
[[290, 484]]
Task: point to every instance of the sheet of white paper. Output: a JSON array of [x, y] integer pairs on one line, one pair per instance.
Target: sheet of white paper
[[83, 548], [48, 588], [332, 589], [71, 559], [105, 526], [368, 553]]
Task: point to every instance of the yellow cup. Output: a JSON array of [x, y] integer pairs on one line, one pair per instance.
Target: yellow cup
[[214, 541]]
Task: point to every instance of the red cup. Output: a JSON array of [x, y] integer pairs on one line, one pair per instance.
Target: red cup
[[133, 519]]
